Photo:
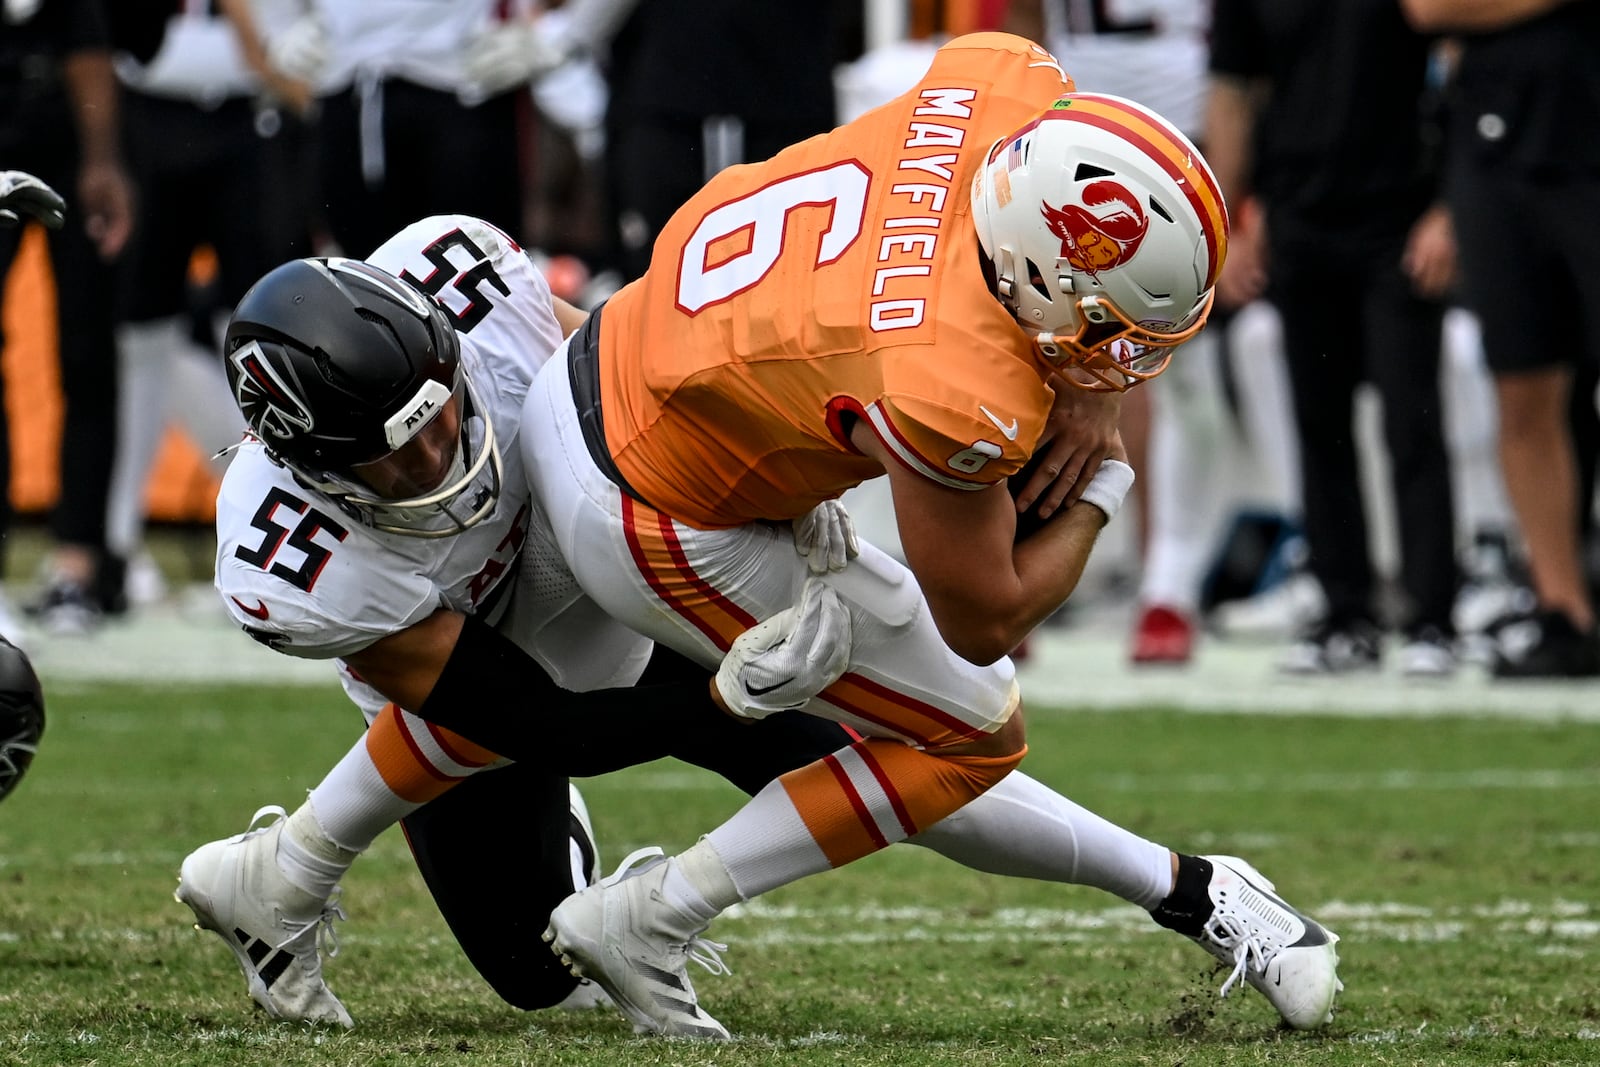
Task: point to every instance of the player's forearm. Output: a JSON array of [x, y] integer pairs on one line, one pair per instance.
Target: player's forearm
[[1051, 562], [252, 49], [92, 85], [989, 614]]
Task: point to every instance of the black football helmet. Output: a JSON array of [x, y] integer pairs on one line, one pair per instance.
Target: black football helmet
[[334, 363], [21, 715]]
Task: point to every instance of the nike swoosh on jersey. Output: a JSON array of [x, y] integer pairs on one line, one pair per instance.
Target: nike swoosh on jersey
[[1009, 431], [257, 612]]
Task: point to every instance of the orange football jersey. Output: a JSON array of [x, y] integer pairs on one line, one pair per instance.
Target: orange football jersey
[[839, 278]]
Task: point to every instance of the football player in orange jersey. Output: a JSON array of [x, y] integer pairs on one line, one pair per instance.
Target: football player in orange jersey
[[941, 290]]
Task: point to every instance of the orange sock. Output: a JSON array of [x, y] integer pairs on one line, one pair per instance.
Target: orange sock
[[419, 761], [876, 792]]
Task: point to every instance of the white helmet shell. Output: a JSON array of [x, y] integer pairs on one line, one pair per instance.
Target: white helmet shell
[[1106, 230]]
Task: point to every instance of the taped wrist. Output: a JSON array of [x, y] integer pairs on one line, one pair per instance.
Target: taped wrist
[[1109, 487]]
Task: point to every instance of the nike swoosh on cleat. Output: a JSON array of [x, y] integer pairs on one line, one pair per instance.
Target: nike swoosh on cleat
[[763, 690], [1009, 431], [257, 612]]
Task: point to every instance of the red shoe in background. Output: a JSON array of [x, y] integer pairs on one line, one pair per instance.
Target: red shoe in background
[[1163, 635]]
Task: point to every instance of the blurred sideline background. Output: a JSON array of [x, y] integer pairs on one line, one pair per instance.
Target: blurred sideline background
[[898, 40]]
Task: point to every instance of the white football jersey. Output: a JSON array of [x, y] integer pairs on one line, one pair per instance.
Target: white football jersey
[[304, 578]]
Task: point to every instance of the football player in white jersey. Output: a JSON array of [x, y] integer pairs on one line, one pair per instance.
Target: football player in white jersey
[[375, 514]]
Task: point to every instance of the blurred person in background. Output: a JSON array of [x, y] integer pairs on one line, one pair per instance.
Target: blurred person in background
[[200, 117], [700, 85], [59, 120], [693, 86], [1525, 190], [22, 196], [1179, 429], [1315, 127], [418, 108]]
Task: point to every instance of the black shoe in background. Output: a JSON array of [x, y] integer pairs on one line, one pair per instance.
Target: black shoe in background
[[1555, 649], [111, 584], [1335, 647], [65, 609]]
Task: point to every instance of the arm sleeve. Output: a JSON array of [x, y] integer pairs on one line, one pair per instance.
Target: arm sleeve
[[497, 696]]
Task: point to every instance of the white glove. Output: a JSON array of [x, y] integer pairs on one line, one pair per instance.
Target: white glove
[[780, 664], [508, 54], [23, 194], [301, 50], [826, 537]]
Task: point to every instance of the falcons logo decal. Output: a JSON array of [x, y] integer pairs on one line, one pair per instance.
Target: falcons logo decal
[[269, 404], [1104, 233]]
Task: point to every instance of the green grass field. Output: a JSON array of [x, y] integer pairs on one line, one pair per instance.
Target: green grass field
[[1457, 857]]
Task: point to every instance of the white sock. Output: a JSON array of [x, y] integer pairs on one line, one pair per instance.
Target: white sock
[[580, 869], [354, 804], [307, 857], [698, 884], [1022, 829], [764, 844]]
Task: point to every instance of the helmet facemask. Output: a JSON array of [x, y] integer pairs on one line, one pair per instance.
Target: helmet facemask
[[1107, 353], [465, 496]]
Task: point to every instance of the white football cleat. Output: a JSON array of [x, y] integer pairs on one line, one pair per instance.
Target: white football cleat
[[235, 889], [1289, 957], [623, 935], [585, 850], [585, 872]]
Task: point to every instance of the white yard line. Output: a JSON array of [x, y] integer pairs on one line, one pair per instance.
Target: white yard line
[[1082, 666], [1563, 924]]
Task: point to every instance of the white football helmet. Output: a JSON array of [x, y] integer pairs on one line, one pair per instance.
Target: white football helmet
[[1106, 231]]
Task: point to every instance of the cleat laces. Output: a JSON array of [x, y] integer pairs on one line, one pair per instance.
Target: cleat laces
[[326, 939], [706, 953], [1231, 934], [702, 950]]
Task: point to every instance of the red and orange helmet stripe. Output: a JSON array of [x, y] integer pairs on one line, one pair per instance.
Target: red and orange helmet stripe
[[1158, 141]]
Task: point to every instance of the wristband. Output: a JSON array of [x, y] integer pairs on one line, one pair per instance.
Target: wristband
[[1108, 487]]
